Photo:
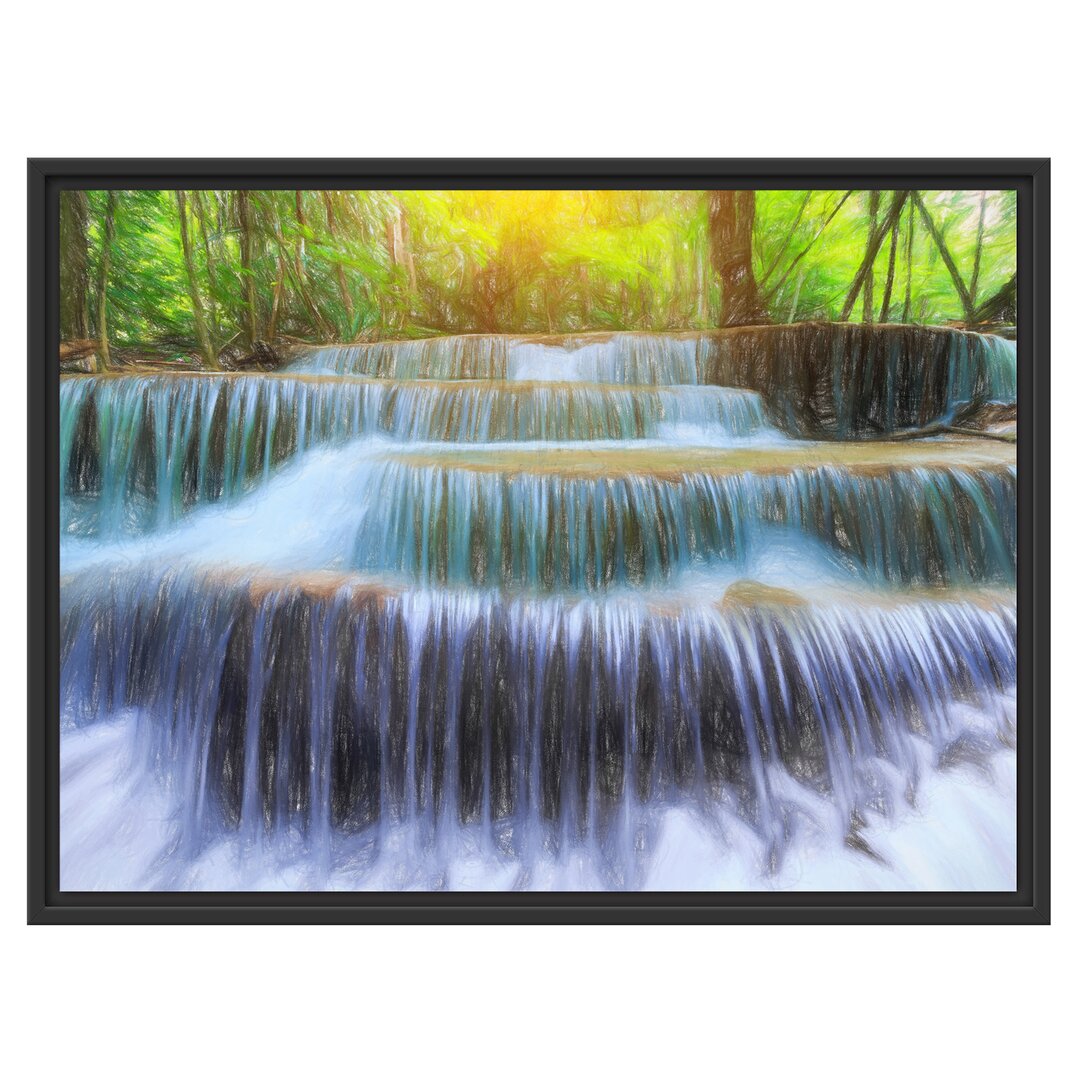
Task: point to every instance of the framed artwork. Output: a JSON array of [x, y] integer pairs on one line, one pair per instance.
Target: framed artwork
[[539, 541]]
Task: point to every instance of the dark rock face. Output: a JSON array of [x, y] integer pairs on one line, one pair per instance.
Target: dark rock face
[[996, 418], [78, 357], [262, 357], [839, 381]]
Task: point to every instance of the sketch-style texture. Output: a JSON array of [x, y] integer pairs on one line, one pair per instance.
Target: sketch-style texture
[[562, 540]]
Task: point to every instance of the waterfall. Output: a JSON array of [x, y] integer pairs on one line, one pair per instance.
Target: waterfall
[[646, 359], [984, 371], [135, 451], [831, 380], [632, 359], [333, 704], [468, 356], [523, 602], [516, 529], [138, 451]]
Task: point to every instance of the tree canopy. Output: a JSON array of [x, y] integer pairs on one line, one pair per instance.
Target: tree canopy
[[201, 271]]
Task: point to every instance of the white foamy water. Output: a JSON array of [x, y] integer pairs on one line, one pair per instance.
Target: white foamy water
[[120, 829], [643, 359]]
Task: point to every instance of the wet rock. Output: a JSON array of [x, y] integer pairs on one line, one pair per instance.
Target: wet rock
[[750, 593], [995, 418], [262, 357], [78, 357]]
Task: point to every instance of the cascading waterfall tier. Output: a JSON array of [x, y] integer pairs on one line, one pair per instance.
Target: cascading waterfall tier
[[329, 703], [596, 519], [627, 359], [464, 356], [138, 450], [832, 380]]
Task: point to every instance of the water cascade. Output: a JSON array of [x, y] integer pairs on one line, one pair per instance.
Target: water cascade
[[535, 602], [324, 703], [137, 451], [833, 380], [554, 529]]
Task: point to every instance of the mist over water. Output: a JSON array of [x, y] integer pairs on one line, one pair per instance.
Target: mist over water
[[582, 624]]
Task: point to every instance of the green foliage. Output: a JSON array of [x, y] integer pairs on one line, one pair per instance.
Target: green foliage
[[355, 265]]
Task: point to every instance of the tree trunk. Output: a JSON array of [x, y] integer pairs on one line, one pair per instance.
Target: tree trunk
[[108, 232], [868, 281], [973, 288], [251, 331], [773, 290], [731, 234], [211, 274], [300, 277], [206, 345], [795, 298], [886, 299], [299, 284], [780, 251], [406, 248], [946, 256], [586, 295], [401, 260], [343, 285], [872, 249], [1001, 307], [275, 307], [701, 274], [74, 265], [910, 242]]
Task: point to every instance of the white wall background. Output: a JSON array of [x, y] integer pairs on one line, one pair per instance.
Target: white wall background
[[569, 79]]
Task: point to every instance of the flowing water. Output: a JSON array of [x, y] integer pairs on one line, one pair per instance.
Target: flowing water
[[493, 613]]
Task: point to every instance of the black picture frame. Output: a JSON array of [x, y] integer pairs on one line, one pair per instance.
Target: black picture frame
[[1030, 177]]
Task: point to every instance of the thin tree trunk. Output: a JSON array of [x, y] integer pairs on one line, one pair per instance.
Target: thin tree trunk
[[798, 258], [999, 307], [586, 294], [300, 277], [300, 285], [795, 298], [211, 272], [406, 246], [678, 291], [343, 285], [395, 246], [392, 241], [74, 265], [701, 273], [946, 256], [886, 299], [731, 232], [247, 270], [872, 249], [275, 307], [973, 288], [108, 232], [868, 281], [910, 243], [787, 239], [206, 345]]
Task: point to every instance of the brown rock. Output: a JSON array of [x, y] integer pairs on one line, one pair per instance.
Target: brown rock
[[750, 593]]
